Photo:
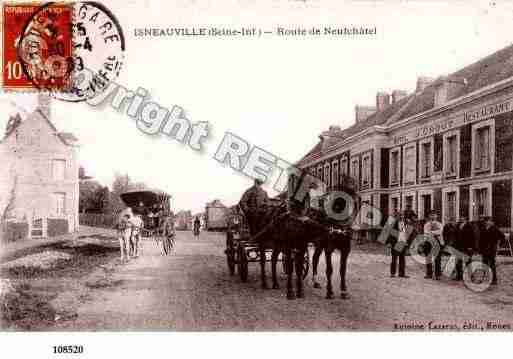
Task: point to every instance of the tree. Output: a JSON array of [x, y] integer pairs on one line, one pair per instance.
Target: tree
[[9, 207], [93, 197]]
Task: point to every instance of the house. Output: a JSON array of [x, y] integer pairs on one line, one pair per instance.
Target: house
[[445, 147], [39, 180], [215, 215], [183, 220]]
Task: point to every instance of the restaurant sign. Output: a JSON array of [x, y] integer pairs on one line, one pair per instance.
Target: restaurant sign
[[447, 124]]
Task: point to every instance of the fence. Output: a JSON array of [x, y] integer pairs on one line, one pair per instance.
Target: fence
[[97, 220]]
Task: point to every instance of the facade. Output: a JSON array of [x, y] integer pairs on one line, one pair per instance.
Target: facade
[[183, 220], [445, 147], [215, 215], [40, 178]]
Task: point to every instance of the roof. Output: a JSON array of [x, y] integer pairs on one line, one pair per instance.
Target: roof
[[147, 197], [376, 119], [14, 122], [67, 137], [487, 71]]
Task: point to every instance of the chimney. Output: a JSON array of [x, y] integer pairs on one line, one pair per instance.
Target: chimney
[[423, 82], [44, 102], [362, 112], [398, 95], [382, 100]]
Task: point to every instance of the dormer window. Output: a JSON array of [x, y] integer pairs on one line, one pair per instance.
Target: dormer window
[[441, 94]]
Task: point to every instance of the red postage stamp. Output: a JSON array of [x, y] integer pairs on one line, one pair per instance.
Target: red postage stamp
[[37, 46]]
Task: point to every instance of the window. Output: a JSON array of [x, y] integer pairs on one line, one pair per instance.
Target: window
[[366, 175], [410, 164], [451, 207], [58, 170], [394, 204], [483, 146], [451, 155], [480, 200], [334, 180], [355, 170], [343, 166], [482, 160], [327, 174], [319, 173], [425, 203], [394, 164], [408, 202], [426, 162], [59, 203]]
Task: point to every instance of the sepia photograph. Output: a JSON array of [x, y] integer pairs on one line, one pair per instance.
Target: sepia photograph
[[255, 166]]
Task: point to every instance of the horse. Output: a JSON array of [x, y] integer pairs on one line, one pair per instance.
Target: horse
[[336, 239], [288, 233]]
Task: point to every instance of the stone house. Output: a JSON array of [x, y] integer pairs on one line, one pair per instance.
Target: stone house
[[39, 181]]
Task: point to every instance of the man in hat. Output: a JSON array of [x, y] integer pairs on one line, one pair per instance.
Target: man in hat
[[433, 229], [254, 204], [490, 238], [398, 242]]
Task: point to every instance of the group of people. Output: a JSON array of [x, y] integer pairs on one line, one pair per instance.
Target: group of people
[[130, 226], [461, 240]]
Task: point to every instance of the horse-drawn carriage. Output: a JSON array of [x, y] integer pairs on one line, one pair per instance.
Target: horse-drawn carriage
[[153, 207], [288, 227], [242, 249]]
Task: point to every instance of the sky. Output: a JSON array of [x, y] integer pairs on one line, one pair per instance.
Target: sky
[[278, 93]]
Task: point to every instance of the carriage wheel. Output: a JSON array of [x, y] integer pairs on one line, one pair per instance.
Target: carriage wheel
[[243, 265]]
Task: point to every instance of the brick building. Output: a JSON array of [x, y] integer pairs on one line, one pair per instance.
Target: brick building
[[446, 147], [40, 174]]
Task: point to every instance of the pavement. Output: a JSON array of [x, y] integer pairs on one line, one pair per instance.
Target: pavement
[[191, 290]]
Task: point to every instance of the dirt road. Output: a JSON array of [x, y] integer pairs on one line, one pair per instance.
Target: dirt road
[[192, 290]]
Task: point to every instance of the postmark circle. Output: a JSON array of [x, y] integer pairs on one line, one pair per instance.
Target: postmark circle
[[75, 56]]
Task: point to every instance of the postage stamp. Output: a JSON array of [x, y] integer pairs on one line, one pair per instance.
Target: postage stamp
[[37, 46], [72, 50]]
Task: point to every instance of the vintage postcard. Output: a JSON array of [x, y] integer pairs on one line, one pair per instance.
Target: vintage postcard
[[256, 166]]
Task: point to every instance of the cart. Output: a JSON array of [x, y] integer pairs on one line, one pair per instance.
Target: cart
[[242, 250], [154, 208]]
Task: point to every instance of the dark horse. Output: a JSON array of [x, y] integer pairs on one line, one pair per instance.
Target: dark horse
[[338, 237], [289, 234]]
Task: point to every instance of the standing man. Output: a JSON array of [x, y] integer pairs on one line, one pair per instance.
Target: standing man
[[450, 238], [490, 239], [196, 225], [397, 241], [433, 229], [254, 204]]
